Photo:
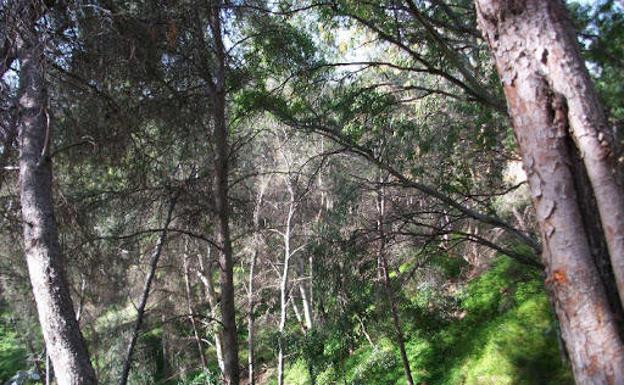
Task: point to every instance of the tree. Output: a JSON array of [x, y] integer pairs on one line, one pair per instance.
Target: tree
[[61, 331], [146, 292], [344, 175], [558, 119], [387, 285], [222, 146]]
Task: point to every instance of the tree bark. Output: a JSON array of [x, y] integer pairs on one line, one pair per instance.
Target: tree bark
[[284, 292], [307, 309], [191, 309], [548, 45], [251, 331], [211, 296], [61, 332], [552, 104], [48, 370], [145, 295], [251, 299], [7, 150], [284, 279], [226, 260]]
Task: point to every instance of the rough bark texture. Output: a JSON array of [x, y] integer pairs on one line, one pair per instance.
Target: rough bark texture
[[61, 332], [539, 36], [551, 102], [596, 238]]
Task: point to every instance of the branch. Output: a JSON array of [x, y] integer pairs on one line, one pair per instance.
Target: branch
[[146, 291]]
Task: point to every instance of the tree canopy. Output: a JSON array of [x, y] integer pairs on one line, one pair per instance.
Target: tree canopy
[[311, 192]]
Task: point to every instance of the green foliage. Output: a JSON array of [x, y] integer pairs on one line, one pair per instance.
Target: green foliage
[[280, 47], [507, 336], [12, 353], [502, 333], [204, 377], [602, 27], [380, 363]]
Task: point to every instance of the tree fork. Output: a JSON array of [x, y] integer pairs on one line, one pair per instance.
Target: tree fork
[[533, 45]]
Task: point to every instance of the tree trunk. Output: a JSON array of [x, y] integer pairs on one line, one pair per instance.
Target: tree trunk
[[145, 295], [251, 360], [307, 309], [385, 276], [284, 289], [226, 259], [48, 370], [7, 150], [61, 332], [191, 309], [283, 307], [211, 296], [552, 104], [251, 299], [295, 307]]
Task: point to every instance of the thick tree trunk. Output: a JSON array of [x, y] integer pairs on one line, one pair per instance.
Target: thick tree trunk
[[61, 332], [542, 32], [145, 295], [226, 259], [552, 104]]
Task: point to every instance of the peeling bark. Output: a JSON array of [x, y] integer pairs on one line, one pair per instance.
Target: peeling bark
[[552, 104], [539, 36]]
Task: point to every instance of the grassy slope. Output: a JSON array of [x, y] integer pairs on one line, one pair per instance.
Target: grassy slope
[[507, 336]]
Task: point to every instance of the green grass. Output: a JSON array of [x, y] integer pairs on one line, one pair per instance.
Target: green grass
[[12, 354], [505, 336]]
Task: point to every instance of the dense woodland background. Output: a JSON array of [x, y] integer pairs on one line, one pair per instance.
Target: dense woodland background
[[279, 192]]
